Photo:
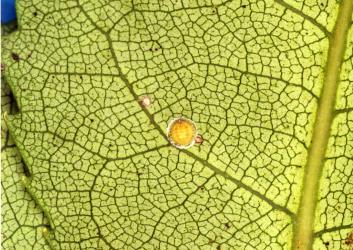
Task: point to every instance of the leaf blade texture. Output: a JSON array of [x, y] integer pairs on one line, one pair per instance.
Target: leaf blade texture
[[22, 220], [248, 74]]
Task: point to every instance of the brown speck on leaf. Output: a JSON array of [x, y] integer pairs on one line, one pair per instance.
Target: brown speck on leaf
[[299, 245], [35, 13], [349, 240], [210, 242], [227, 225], [15, 56], [198, 139], [2, 67], [219, 247]]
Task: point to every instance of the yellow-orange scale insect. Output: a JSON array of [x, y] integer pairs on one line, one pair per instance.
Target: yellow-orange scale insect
[[182, 132]]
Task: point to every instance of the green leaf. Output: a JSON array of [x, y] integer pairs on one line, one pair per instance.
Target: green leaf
[[22, 220], [335, 208], [258, 79]]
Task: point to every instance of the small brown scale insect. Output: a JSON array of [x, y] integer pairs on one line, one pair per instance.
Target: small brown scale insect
[[198, 139]]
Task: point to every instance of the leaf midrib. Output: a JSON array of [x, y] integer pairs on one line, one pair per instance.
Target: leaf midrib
[[303, 234]]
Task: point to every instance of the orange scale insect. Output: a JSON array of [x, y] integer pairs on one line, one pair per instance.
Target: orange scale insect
[[182, 132]]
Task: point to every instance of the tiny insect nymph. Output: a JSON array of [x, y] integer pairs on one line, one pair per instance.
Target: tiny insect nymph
[[145, 101], [198, 139]]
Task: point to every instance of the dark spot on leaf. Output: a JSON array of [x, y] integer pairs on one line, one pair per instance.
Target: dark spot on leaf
[[25, 169], [210, 242], [219, 247], [15, 56], [35, 13], [227, 225], [243, 6], [349, 239], [326, 243]]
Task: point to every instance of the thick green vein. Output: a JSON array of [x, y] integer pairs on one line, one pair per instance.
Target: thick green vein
[[303, 237]]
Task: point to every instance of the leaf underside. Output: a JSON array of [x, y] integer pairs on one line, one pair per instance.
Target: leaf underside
[[249, 74], [22, 220]]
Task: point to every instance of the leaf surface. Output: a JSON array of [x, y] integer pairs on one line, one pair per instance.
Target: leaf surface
[[249, 74], [22, 220]]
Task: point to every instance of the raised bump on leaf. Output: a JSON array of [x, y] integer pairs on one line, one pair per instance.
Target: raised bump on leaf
[[145, 101], [182, 132], [198, 139]]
